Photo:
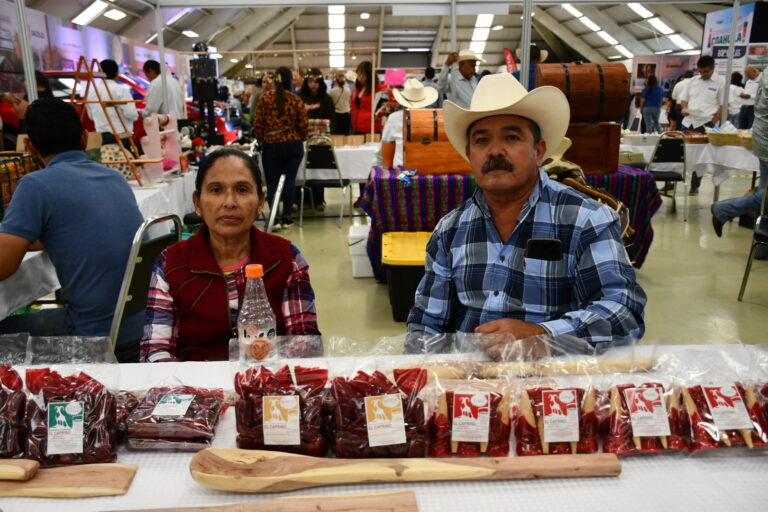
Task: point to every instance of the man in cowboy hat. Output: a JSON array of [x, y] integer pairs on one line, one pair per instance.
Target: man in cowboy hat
[[536, 56], [457, 79], [525, 256], [413, 95]]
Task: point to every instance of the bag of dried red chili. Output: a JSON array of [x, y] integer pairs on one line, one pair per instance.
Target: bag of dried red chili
[[175, 418], [71, 419], [282, 410], [376, 416], [12, 401]]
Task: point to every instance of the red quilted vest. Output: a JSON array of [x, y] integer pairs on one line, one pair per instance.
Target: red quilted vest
[[199, 291]]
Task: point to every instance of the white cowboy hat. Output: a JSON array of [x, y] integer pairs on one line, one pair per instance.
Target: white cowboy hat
[[415, 95], [469, 55], [501, 94], [544, 54]]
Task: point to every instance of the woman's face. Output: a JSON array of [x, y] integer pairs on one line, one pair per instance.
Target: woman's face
[[362, 78], [229, 201], [314, 84]]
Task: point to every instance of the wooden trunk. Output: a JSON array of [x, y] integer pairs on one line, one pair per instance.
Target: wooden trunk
[[596, 92], [425, 145], [595, 146]]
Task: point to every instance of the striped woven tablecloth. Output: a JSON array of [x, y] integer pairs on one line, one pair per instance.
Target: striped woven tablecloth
[[396, 205]]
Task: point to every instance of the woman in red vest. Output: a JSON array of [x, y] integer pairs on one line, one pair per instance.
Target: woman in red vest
[[361, 99], [197, 285]]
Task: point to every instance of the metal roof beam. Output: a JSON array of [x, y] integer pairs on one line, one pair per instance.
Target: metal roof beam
[[608, 25], [567, 36], [681, 21], [552, 40]]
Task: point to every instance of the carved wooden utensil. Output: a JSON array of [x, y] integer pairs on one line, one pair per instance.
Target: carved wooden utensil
[[230, 469], [390, 501], [82, 481], [18, 469]]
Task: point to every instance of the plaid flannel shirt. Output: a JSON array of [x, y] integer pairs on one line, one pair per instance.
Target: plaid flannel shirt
[[472, 277], [161, 330]]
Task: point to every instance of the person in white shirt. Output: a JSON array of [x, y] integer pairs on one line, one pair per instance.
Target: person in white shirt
[[458, 79], [677, 91], [108, 89], [413, 95], [172, 102], [734, 99], [701, 103], [341, 96], [747, 113]]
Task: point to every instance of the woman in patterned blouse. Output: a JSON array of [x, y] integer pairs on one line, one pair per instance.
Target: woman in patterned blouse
[[280, 124]]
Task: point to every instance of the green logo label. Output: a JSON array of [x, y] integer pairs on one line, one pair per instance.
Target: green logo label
[[64, 415]]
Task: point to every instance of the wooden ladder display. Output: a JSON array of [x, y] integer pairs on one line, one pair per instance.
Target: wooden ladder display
[[88, 74]]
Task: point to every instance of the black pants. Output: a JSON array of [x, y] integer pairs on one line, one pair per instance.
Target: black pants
[[695, 178], [343, 124], [746, 116], [282, 158]]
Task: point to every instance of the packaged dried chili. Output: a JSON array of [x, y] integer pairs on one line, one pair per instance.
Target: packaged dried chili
[[376, 417], [169, 414], [126, 403], [282, 411], [471, 418], [71, 419], [12, 402]]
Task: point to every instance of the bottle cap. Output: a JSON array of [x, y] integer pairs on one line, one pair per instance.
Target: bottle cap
[[254, 270]]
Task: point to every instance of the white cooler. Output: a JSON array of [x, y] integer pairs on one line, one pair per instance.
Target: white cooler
[[357, 240]]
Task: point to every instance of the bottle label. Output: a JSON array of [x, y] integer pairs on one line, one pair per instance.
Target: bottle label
[[258, 342], [65, 427], [471, 416], [647, 412], [560, 415], [173, 405], [386, 422], [281, 420]]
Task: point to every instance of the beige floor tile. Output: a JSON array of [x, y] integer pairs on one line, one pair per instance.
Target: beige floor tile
[[692, 278]]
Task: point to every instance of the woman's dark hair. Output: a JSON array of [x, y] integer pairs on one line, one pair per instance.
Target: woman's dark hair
[[42, 81], [54, 138], [211, 159], [306, 92], [283, 77], [651, 81], [736, 79], [366, 68]]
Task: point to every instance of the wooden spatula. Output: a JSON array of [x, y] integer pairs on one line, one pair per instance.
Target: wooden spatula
[[18, 469], [230, 469], [391, 501], [74, 482]]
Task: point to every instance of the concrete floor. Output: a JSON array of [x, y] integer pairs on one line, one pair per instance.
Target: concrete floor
[[692, 278]]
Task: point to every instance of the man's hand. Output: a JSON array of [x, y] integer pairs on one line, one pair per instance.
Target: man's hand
[[452, 57], [509, 338]]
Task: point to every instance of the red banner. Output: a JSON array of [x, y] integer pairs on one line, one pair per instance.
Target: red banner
[[509, 58]]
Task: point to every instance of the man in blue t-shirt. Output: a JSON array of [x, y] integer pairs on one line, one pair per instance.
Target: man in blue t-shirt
[[81, 213]]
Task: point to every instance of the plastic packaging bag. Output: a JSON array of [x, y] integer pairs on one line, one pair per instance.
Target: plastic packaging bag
[[282, 410], [12, 404]]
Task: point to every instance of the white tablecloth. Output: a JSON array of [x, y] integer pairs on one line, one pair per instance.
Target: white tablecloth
[[730, 479], [355, 164], [707, 159], [173, 197], [35, 278]]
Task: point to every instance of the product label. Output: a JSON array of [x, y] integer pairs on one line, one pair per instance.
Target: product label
[[65, 427], [561, 415], [727, 407], [647, 412], [173, 405], [258, 341], [471, 416], [281, 420], [386, 422]]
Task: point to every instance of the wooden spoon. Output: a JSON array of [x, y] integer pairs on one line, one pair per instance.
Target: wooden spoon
[[18, 469], [230, 469]]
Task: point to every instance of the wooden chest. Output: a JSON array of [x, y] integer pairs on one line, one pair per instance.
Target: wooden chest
[[595, 147], [425, 145]]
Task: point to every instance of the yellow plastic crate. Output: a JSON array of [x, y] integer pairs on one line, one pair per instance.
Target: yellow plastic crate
[[404, 249]]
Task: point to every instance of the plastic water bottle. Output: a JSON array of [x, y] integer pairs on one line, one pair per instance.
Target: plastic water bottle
[[256, 324]]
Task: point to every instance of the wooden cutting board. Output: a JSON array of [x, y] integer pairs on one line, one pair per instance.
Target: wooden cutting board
[[230, 469], [18, 469], [391, 501], [82, 481]]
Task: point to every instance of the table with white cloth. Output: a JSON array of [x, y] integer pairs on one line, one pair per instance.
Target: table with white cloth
[[719, 161], [174, 196], [34, 278], [354, 162], [724, 479]]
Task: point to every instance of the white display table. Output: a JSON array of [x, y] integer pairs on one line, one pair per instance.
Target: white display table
[[729, 479], [355, 164], [172, 197]]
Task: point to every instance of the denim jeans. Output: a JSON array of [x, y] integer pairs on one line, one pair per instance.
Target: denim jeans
[[651, 119], [746, 116], [282, 158], [734, 119], [729, 209]]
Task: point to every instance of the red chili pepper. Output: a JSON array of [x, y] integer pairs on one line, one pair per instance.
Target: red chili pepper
[[12, 403]]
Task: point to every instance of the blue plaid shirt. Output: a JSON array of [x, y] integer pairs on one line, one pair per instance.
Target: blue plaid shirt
[[472, 277]]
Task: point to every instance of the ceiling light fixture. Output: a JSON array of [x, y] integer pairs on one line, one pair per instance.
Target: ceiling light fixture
[[249, 66], [628, 54], [360, 28], [190, 33], [660, 26], [217, 56], [114, 14], [663, 52], [150, 38], [614, 57], [572, 10], [90, 13], [364, 15], [336, 9], [591, 25], [497, 27], [640, 10], [234, 61], [484, 20], [336, 35], [336, 61], [608, 38], [681, 43]]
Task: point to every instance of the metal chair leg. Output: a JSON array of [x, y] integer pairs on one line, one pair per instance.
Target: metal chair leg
[[341, 214], [301, 207], [685, 201], [275, 203], [747, 270]]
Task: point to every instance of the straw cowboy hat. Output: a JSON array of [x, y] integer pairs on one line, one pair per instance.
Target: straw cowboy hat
[[469, 55], [544, 54], [501, 94], [415, 95]]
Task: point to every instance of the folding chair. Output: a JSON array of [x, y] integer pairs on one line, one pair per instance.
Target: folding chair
[[759, 239], [275, 204], [670, 149], [321, 155], [128, 323]]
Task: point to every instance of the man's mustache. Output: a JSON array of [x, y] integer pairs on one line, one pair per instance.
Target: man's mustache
[[497, 163]]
